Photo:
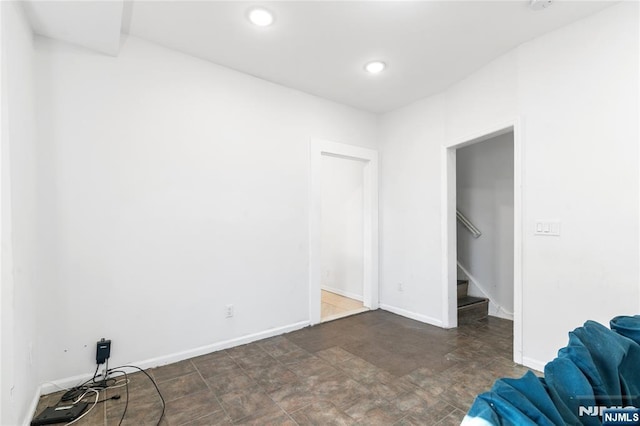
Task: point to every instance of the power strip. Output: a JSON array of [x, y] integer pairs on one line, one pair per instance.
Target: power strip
[[62, 414]]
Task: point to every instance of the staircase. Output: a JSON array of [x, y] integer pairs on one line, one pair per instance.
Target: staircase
[[470, 308]]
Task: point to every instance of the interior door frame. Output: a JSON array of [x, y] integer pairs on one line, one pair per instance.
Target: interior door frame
[[449, 246], [317, 149]]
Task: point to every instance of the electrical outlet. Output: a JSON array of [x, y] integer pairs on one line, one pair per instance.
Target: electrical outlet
[[103, 351], [229, 311], [400, 287]]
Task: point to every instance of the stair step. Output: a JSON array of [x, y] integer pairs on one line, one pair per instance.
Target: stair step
[[470, 300], [472, 309], [463, 287]]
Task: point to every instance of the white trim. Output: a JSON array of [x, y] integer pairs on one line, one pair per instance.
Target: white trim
[[3, 381], [448, 235], [498, 311], [448, 198], [412, 315], [534, 364], [32, 407], [488, 132], [55, 385], [318, 148], [518, 242], [343, 293]]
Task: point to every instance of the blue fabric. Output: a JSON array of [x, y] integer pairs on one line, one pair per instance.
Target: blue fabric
[[518, 401], [568, 388], [598, 367], [617, 361], [627, 326]]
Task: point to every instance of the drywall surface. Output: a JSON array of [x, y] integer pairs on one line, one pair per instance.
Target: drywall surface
[[575, 92], [173, 187], [19, 312], [342, 225], [484, 191], [409, 210], [412, 141], [580, 113]]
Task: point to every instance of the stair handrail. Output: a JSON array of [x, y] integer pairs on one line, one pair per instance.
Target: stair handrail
[[475, 232]]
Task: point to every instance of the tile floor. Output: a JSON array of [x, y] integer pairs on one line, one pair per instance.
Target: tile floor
[[335, 306], [375, 368]]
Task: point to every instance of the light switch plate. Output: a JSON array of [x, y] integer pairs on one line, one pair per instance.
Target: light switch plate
[[547, 228]]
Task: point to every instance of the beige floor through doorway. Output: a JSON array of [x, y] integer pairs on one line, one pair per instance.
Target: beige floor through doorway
[[335, 306]]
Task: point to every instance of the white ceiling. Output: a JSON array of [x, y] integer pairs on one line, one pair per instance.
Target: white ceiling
[[320, 47], [95, 25]]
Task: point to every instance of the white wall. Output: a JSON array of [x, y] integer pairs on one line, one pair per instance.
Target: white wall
[[342, 236], [171, 187], [168, 187], [576, 92], [18, 369], [409, 210], [484, 191], [580, 112]]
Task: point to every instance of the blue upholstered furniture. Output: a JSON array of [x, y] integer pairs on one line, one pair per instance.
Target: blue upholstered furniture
[[598, 368]]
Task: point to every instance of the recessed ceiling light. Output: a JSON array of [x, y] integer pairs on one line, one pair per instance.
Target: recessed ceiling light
[[375, 67], [260, 17]]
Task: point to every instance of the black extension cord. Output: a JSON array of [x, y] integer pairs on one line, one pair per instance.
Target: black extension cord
[[116, 370], [72, 394], [78, 391]]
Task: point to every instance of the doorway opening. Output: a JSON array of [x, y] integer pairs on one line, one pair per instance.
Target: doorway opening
[[484, 210], [343, 231], [341, 246], [506, 302]]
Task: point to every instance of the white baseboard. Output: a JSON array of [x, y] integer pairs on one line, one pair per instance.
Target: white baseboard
[[533, 364], [32, 407], [67, 382], [496, 310], [412, 315], [339, 292]]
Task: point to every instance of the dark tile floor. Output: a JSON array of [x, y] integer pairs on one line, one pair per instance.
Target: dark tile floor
[[368, 369]]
